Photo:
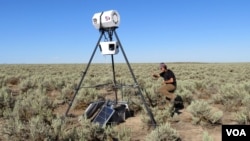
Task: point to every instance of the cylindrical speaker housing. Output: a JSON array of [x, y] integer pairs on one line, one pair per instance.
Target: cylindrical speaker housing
[[106, 19]]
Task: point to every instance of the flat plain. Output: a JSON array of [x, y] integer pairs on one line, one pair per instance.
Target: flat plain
[[35, 97]]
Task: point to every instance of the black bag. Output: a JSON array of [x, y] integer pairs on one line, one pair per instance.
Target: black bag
[[178, 103]]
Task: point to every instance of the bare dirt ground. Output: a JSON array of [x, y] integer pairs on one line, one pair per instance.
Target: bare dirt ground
[[190, 132]]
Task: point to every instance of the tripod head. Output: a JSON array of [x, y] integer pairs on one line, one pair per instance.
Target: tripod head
[[108, 47]]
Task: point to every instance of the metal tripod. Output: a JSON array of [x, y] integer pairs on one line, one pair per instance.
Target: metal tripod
[[110, 32]]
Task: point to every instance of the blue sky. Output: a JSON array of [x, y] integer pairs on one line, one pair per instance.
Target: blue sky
[[61, 31]]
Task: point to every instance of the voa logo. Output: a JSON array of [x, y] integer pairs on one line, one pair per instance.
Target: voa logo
[[236, 132]]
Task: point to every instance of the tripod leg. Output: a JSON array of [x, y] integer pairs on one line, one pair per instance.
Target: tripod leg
[[113, 69], [84, 73], [139, 89]]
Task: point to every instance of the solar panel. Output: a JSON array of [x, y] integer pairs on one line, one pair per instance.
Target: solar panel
[[104, 115]]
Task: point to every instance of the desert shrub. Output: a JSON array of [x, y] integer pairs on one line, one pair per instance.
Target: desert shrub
[[147, 83], [151, 96], [32, 103], [60, 82], [27, 84], [38, 128], [200, 85], [58, 129], [7, 102], [111, 133], [141, 83], [86, 130], [187, 84], [124, 134], [186, 95], [210, 86], [54, 83], [243, 115], [203, 113], [84, 97], [49, 86], [246, 102], [160, 116], [135, 104], [206, 137], [15, 129], [230, 96], [146, 119], [32, 115], [12, 80], [128, 92], [186, 90], [2, 80], [67, 92], [247, 87], [64, 95], [163, 132]]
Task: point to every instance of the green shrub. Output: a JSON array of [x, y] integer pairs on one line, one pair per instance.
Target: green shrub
[[38, 129], [2, 80], [163, 132], [203, 113], [30, 118], [84, 98], [27, 84], [186, 90], [231, 96], [7, 102], [124, 134], [243, 115], [162, 116], [206, 137]]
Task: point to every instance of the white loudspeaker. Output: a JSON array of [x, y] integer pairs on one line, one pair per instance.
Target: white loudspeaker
[[108, 48], [106, 19]]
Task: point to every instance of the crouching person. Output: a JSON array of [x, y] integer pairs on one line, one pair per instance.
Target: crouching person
[[168, 86]]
